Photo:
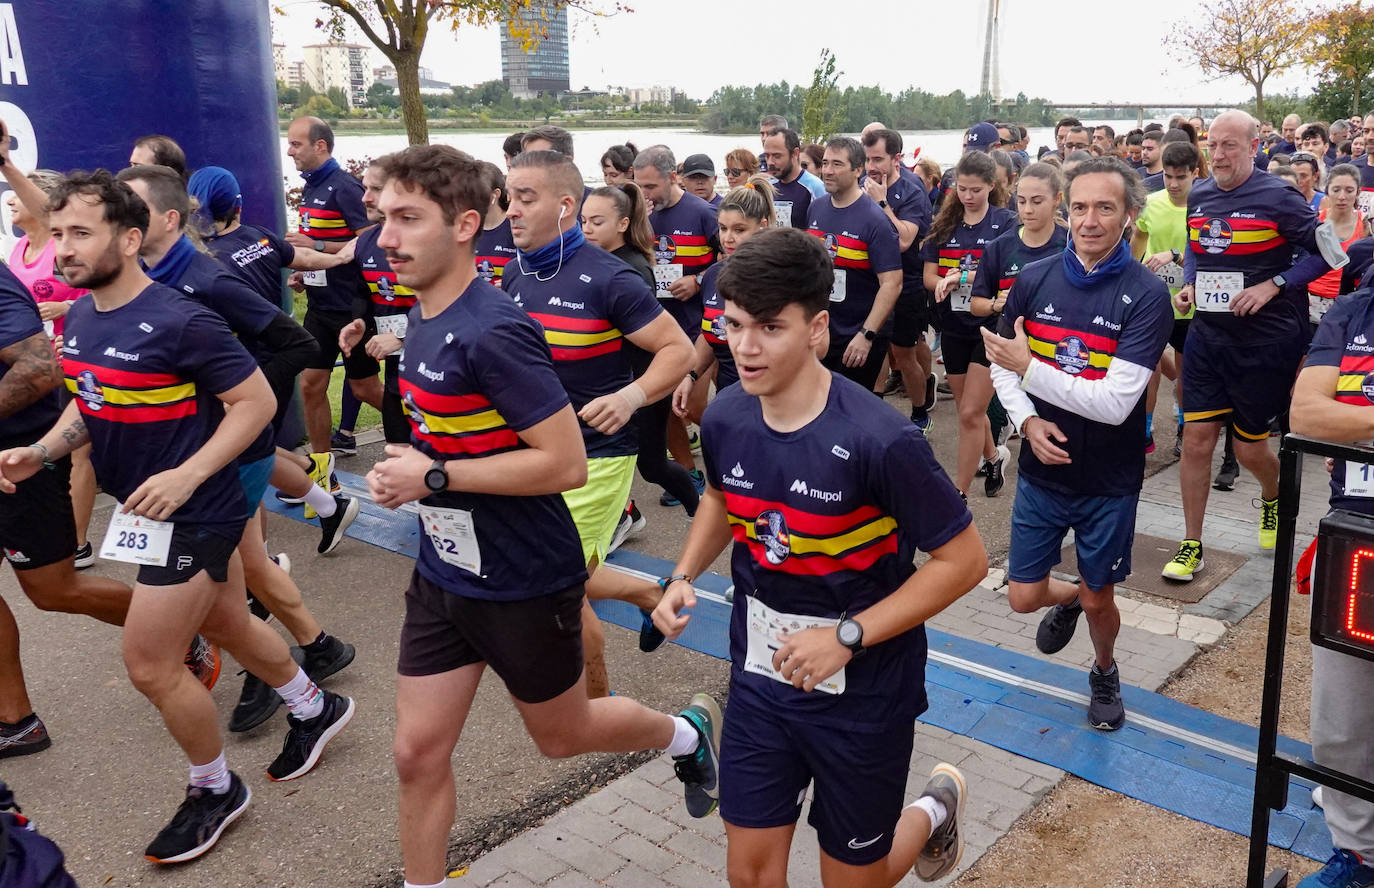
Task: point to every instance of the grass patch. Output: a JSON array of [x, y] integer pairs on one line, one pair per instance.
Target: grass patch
[[368, 417]]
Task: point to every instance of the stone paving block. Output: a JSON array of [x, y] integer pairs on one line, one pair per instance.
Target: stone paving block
[[645, 854], [634, 877], [573, 879], [710, 826], [647, 795], [645, 823], [688, 875], [698, 849], [513, 880], [522, 856], [577, 852], [588, 824], [603, 801]]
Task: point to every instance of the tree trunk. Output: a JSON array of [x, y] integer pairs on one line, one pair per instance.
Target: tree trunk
[[1355, 99], [407, 62], [1259, 100]]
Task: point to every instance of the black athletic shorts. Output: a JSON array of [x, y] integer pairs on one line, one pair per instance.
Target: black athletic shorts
[[534, 645], [36, 523], [195, 548], [325, 327], [865, 374], [395, 426], [909, 319], [1179, 335], [960, 351]]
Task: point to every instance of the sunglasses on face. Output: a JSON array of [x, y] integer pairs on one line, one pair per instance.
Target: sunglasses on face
[[729, 171]]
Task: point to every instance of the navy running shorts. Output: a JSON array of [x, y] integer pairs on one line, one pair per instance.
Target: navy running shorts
[[960, 351], [195, 548], [767, 762], [909, 319], [1103, 530], [1249, 386]]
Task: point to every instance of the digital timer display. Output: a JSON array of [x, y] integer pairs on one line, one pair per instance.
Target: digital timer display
[[1343, 584]]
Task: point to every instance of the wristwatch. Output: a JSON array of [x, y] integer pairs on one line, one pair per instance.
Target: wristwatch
[[436, 477], [319, 246], [665, 582], [1176, 257], [882, 204], [867, 333], [850, 634], [1279, 281]]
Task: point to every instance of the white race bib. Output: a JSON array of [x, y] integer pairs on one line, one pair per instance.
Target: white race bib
[[315, 278], [1359, 479], [1366, 201], [837, 291], [1317, 307], [454, 537], [393, 324], [664, 275], [766, 627], [961, 298], [1171, 274], [782, 214], [1214, 290], [136, 540]]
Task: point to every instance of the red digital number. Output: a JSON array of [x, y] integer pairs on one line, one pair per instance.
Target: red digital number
[[1358, 624]]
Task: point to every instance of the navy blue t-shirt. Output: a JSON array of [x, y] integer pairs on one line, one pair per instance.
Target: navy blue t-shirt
[[1345, 339], [472, 377], [256, 255], [687, 234], [862, 243], [963, 251], [826, 521], [909, 202], [713, 327], [18, 321], [332, 211], [145, 377], [585, 311], [495, 248], [795, 194], [385, 297], [1005, 257]]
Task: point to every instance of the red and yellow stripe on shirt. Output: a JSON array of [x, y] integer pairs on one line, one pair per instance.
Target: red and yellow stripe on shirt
[[1248, 236], [952, 260], [850, 252], [456, 425], [493, 265], [691, 251], [1350, 385], [711, 320], [127, 395], [1045, 339], [401, 296], [818, 545], [326, 225], [577, 339]]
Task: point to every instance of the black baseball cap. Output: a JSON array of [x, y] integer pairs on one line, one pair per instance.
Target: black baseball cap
[[698, 165]]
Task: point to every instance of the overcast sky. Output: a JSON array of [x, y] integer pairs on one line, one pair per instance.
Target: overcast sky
[[1065, 51]]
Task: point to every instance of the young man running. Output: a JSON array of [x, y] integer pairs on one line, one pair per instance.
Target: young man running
[[814, 479], [152, 372], [499, 577]]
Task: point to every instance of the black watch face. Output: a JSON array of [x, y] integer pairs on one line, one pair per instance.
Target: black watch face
[[436, 479]]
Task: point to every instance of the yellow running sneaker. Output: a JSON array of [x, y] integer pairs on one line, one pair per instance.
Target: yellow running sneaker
[[1187, 562], [1269, 523], [321, 474]]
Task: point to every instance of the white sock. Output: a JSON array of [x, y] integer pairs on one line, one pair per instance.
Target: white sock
[[302, 696], [213, 776], [321, 501], [934, 808], [410, 884], [685, 737]]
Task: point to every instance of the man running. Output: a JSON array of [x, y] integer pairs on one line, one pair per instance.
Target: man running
[[499, 577], [150, 370], [795, 187], [816, 481], [1084, 334]]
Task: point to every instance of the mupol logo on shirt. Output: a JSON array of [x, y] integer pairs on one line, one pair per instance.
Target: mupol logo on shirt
[[1103, 322], [433, 375], [123, 356], [825, 496], [770, 529]]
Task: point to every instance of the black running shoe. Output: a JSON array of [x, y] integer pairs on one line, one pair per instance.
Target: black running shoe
[[306, 740], [945, 846], [85, 555], [199, 822], [258, 609], [995, 479], [1057, 627], [894, 384], [699, 771], [327, 659], [650, 639], [332, 528], [343, 445], [930, 392], [24, 737], [257, 702], [1106, 712], [1226, 475]]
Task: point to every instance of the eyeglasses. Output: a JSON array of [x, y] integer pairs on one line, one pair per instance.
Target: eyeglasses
[[729, 171], [1302, 155]]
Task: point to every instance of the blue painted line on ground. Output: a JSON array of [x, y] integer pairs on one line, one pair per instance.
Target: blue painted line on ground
[[990, 694]]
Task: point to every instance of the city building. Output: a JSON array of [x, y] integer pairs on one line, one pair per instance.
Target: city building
[[345, 65], [650, 95], [295, 74], [279, 63], [544, 69]]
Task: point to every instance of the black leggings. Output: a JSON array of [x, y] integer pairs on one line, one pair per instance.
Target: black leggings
[[651, 424]]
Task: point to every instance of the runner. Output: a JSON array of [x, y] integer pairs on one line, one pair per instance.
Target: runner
[[1104, 137], [495, 441], [699, 178], [793, 186], [1309, 174], [1289, 130], [162, 450], [617, 164], [1151, 158], [1061, 132], [1343, 214], [866, 254], [740, 165], [511, 146], [158, 150], [1083, 335], [547, 138], [952, 253], [589, 303], [1249, 334], [1330, 402], [1315, 139], [814, 479], [495, 249]]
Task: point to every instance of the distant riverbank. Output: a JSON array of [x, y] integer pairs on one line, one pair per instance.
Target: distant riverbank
[[494, 125]]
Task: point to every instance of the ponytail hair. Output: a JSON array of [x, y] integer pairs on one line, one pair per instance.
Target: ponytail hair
[[629, 204], [753, 200], [974, 163]]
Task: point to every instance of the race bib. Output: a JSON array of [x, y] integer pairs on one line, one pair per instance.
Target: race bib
[[1215, 289], [782, 214], [1366, 202], [664, 275], [49, 329], [837, 291], [766, 628], [1317, 307], [453, 536], [393, 324], [961, 299], [1359, 479], [314, 278], [134, 539], [1172, 275]]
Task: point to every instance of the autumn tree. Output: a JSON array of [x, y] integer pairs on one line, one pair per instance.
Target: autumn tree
[[399, 28], [1345, 47], [1239, 38]]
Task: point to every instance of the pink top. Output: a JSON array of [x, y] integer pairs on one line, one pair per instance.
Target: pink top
[[38, 277]]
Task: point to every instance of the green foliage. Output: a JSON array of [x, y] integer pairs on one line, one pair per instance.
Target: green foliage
[[1280, 105], [821, 115], [1335, 97]]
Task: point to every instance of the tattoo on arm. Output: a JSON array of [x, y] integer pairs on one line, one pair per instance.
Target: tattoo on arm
[[32, 373], [75, 434]]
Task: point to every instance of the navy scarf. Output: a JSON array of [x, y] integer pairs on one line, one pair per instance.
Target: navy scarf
[[319, 172], [1113, 264], [561, 249], [172, 266]]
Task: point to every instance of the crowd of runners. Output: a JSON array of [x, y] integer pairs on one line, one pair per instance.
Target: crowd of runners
[[532, 342]]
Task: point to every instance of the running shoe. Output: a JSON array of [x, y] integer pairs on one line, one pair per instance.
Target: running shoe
[[327, 659], [894, 384], [922, 420], [343, 445], [631, 525], [945, 846], [698, 481], [85, 555], [637, 521], [286, 499], [257, 608], [199, 822], [322, 476], [1269, 522], [650, 639], [1186, 562], [203, 659], [1317, 800], [943, 387], [930, 392], [982, 470], [699, 771], [1150, 444], [257, 702], [995, 479], [24, 737], [332, 528], [282, 560], [1344, 869], [1057, 627], [1226, 475], [694, 439], [1105, 709], [306, 740], [1178, 441]]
